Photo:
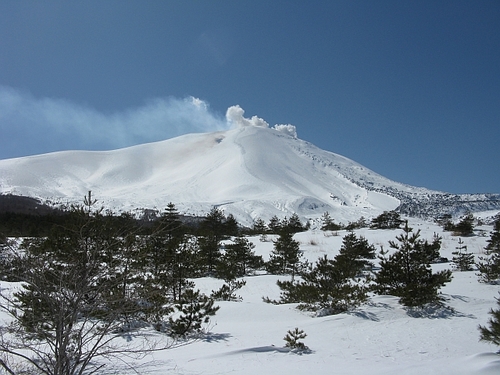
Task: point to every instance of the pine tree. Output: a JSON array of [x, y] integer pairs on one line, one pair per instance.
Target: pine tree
[[332, 286], [72, 303], [465, 226], [286, 255], [213, 232], [387, 220], [292, 340], [293, 224], [171, 225], [355, 255], [493, 246], [492, 334], [431, 249], [184, 266], [168, 263], [238, 259], [328, 223], [274, 225], [194, 310], [462, 260], [259, 226], [158, 280], [407, 272], [489, 266], [360, 223], [231, 226], [227, 291], [445, 221], [489, 269]]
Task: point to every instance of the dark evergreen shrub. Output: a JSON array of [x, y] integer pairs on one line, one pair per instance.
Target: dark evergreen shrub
[[285, 259], [333, 286], [387, 220], [407, 272], [492, 332], [489, 266]]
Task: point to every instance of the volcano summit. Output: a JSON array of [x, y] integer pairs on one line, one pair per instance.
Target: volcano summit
[[250, 171]]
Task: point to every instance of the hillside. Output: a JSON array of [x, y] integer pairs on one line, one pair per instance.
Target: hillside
[[249, 171]]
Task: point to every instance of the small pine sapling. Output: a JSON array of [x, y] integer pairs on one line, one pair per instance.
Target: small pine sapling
[[292, 340], [462, 260], [328, 223], [489, 269], [194, 310]]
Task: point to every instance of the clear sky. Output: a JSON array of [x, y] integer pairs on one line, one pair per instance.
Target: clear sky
[[410, 89]]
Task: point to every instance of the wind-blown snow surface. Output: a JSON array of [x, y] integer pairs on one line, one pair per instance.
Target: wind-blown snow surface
[[378, 338], [249, 171]]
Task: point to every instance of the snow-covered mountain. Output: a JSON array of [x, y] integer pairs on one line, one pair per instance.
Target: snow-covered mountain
[[249, 171]]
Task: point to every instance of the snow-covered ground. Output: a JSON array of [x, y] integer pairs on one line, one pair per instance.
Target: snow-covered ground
[[380, 337], [257, 172]]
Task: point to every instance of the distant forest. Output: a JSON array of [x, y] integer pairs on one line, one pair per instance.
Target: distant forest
[[22, 216]]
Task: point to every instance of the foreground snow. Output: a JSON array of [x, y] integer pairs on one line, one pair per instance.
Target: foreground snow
[[379, 338]]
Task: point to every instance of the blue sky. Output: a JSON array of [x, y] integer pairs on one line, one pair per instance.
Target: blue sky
[[410, 89]]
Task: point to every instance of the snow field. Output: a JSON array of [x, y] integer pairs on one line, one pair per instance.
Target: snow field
[[380, 337]]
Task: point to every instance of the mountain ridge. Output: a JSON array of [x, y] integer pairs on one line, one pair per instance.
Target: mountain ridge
[[248, 171]]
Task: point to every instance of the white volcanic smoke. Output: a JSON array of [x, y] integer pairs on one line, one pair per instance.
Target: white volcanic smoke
[[31, 125], [234, 116]]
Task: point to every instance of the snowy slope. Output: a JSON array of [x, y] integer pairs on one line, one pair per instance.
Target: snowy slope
[[249, 171], [379, 338]]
